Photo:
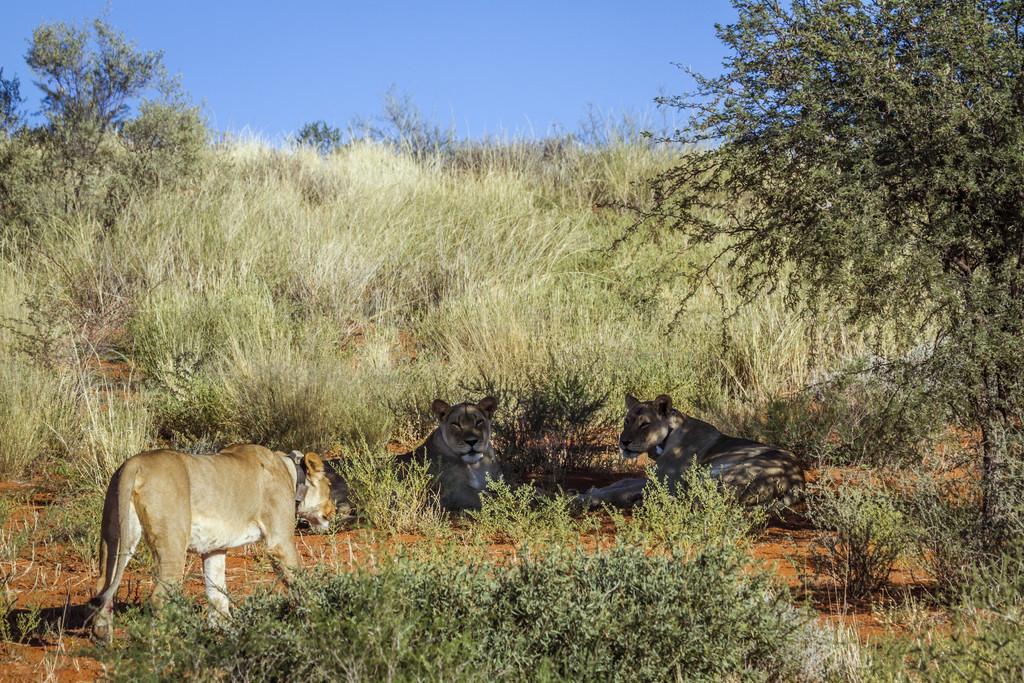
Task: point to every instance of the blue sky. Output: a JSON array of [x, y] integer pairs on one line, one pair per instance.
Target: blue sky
[[491, 68]]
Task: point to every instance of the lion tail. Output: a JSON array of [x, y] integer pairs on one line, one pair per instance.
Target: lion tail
[[118, 540]]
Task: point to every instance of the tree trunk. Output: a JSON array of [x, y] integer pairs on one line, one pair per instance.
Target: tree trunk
[[994, 504]]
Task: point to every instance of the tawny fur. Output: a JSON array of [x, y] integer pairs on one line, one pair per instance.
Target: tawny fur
[[208, 504], [759, 474], [459, 452]]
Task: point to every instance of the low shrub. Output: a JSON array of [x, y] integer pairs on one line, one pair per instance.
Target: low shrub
[[521, 516], [985, 641], [391, 500], [552, 418], [954, 543], [193, 412], [618, 615], [863, 532], [695, 515]]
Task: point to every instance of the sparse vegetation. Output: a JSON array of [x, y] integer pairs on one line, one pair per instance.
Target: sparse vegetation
[[863, 532], [522, 517], [698, 514], [157, 289], [392, 500], [556, 614]]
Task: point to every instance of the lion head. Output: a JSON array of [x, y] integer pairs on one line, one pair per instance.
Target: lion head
[[316, 507], [466, 428], [646, 427]]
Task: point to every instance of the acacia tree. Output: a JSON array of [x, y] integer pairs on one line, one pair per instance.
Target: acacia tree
[[117, 125], [868, 156]]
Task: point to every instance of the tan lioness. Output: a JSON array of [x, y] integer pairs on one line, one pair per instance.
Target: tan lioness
[[459, 452], [207, 504], [758, 474]]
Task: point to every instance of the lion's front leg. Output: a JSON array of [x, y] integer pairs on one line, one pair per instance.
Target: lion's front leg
[[216, 586], [624, 494], [463, 497]]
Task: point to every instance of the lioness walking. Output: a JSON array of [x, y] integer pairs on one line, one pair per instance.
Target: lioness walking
[[208, 504]]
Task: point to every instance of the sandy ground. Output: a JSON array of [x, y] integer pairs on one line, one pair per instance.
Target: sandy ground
[[53, 583]]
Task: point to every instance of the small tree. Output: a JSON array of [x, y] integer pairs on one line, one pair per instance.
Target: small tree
[[868, 155], [90, 75], [401, 124], [321, 137], [10, 101], [94, 151]]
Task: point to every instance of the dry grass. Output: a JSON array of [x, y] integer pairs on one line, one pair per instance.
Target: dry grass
[[311, 302]]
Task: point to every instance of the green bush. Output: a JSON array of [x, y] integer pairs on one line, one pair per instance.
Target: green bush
[[696, 515], [195, 411], [390, 499], [319, 136], [985, 641], [552, 418], [955, 545], [862, 532], [619, 615], [520, 515], [288, 399]]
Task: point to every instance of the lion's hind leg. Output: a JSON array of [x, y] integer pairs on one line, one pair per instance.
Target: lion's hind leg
[[624, 493]]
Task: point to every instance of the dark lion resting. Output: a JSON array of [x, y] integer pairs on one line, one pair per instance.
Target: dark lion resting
[[759, 474], [459, 452]]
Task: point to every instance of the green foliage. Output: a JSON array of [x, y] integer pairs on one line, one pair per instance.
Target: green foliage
[[195, 411], [985, 641], [18, 625], [697, 514], [166, 144], [552, 418], [93, 156], [522, 516], [320, 136], [857, 417], [863, 532], [556, 615], [89, 72], [391, 499], [10, 101], [955, 543], [867, 157], [14, 537], [294, 399]]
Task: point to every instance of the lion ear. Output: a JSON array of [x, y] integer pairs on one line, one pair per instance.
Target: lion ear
[[663, 404], [313, 463], [630, 402], [487, 406], [440, 409]]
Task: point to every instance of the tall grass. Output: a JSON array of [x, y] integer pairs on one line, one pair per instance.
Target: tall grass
[[308, 302], [27, 395]]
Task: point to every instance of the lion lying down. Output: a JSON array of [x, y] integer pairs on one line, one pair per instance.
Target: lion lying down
[[459, 452], [208, 504], [760, 475]]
